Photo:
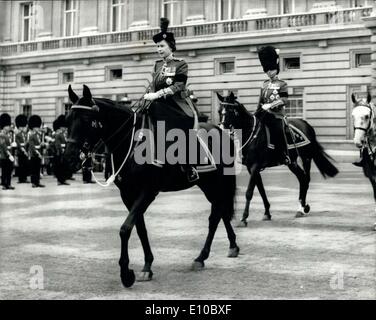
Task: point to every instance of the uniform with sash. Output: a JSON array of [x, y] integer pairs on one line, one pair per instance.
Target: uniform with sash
[[21, 153], [35, 150], [273, 98]]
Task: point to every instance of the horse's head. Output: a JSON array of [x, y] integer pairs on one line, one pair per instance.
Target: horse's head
[[363, 119], [229, 112], [83, 128]]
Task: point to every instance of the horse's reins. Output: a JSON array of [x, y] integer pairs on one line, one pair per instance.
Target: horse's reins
[[367, 130], [112, 178]]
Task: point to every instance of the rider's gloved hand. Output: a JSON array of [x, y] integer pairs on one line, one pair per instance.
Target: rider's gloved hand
[[266, 106], [151, 96]]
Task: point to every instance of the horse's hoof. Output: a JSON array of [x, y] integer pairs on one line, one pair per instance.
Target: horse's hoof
[[307, 209], [127, 278], [300, 214], [266, 217], [145, 276], [198, 265], [233, 252], [242, 224]]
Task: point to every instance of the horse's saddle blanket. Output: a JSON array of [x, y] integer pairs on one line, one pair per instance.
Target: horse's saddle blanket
[[204, 162], [295, 137]]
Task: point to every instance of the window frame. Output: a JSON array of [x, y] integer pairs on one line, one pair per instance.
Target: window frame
[[62, 73], [297, 94], [121, 7], [172, 17], [290, 56], [355, 53], [218, 66], [109, 71], [74, 21], [29, 18], [20, 81], [230, 7]]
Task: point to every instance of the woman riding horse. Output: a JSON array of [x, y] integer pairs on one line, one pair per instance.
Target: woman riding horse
[[170, 101], [272, 102]]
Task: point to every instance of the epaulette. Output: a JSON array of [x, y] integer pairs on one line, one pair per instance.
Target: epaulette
[[178, 59]]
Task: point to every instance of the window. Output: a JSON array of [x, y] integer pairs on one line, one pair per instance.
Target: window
[[27, 21], [360, 3], [362, 59], [67, 77], [70, 18], [25, 80], [294, 108], [287, 6], [171, 10], [115, 73], [117, 9], [291, 63], [225, 9], [27, 110], [225, 66]]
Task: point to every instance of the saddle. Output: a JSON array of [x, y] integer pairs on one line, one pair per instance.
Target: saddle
[[295, 137], [201, 163]]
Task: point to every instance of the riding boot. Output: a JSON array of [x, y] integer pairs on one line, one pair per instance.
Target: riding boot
[[360, 162]]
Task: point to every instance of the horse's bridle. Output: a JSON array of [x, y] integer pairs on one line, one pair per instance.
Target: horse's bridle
[[367, 105]]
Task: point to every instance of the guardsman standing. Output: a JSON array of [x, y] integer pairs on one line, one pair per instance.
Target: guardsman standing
[[21, 140], [35, 150], [272, 102], [6, 157], [59, 148]]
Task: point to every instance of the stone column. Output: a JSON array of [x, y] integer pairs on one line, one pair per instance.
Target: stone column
[[370, 23], [88, 13], [5, 21]]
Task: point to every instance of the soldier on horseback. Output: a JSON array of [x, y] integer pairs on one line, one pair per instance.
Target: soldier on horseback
[[170, 101], [272, 102]]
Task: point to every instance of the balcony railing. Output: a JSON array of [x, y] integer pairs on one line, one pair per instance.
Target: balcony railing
[[301, 20]]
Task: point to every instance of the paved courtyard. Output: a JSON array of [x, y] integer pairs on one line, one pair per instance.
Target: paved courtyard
[[67, 236]]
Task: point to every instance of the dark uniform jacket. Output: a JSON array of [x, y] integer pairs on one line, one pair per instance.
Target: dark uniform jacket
[[173, 74], [4, 146], [60, 143], [274, 92], [21, 138], [34, 145]]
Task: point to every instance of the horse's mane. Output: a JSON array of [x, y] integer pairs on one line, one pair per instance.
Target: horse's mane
[[112, 105], [243, 109]]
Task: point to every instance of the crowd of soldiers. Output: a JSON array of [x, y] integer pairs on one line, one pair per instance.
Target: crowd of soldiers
[[27, 149]]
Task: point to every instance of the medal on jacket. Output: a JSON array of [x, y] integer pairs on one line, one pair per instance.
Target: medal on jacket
[[169, 81]]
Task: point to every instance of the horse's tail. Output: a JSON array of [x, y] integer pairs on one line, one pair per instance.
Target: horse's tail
[[323, 161]]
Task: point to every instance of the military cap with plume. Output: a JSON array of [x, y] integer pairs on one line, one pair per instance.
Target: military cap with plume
[[164, 35], [269, 58]]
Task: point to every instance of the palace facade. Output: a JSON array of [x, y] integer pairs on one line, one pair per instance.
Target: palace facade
[[326, 50]]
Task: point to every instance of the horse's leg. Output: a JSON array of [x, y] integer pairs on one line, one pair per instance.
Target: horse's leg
[[234, 249], [214, 218], [138, 209], [253, 171], [146, 274], [261, 189], [303, 187]]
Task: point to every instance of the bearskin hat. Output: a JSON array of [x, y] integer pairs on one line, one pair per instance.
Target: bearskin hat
[[21, 121], [35, 121], [164, 35], [61, 120], [269, 58], [55, 125], [5, 120]]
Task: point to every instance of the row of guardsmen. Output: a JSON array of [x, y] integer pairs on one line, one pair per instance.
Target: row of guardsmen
[[28, 147]]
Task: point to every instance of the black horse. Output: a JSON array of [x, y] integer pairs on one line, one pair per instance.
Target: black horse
[[93, 120], [258, 156], [364, 119]]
